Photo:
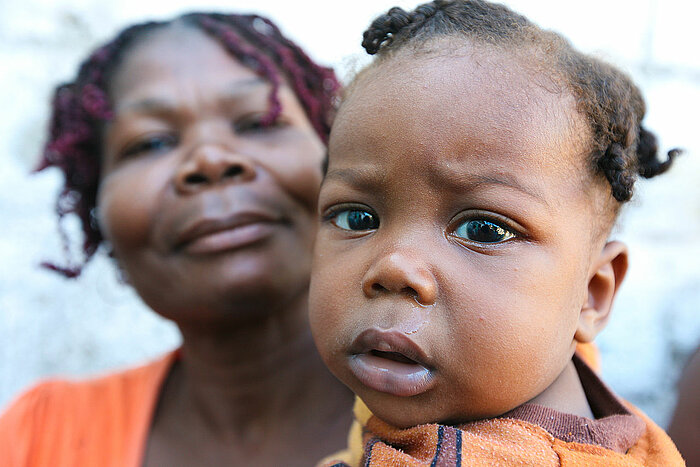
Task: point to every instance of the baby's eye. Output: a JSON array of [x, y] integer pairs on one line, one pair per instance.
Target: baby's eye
[[483, 231], [355, 219], [154, 143]]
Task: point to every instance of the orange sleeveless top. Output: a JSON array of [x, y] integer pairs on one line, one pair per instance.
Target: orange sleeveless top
[[98, 422]]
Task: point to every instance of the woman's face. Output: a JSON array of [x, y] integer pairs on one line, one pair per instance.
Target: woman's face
[[210, 213]]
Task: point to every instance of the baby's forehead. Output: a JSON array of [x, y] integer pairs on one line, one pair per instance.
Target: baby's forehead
[[463, 110], [467, 95], [447, 71]]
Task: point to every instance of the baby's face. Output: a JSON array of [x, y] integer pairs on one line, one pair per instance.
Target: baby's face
[[456, 240]]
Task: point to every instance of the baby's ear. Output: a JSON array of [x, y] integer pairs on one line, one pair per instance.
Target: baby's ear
[[606, 275]]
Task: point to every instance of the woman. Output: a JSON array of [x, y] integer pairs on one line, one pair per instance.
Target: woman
[[194, 149]]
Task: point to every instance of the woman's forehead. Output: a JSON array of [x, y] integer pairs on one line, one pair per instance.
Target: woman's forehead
[[176, 52]]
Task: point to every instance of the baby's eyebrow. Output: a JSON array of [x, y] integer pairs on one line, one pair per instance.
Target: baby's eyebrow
[[366, 178], [460, 182], [356, 177]]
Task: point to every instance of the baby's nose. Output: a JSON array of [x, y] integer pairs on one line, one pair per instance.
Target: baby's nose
[[401, 273]]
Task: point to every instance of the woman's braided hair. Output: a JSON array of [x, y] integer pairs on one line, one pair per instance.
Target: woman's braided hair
[[611, 103], [81, 107]]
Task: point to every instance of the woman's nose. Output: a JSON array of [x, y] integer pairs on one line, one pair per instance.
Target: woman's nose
[[211, 165], [401, 274]]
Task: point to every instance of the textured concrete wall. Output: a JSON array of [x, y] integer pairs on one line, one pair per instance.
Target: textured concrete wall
[[52, 326]]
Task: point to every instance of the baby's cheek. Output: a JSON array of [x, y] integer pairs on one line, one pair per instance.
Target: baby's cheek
[[322, 302], [328, 302]]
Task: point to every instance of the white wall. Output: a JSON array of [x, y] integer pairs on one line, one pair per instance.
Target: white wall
[[52, 326]]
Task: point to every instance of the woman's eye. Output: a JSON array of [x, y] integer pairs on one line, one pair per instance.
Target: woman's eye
[[355, 219], [151, 144], [258, 123], [483, 231]]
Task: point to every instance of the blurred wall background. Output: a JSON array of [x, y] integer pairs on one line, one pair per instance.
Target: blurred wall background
[[51, 326]]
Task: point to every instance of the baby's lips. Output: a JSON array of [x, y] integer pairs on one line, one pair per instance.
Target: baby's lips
[[389, 361], [389, 340], [399, 378]]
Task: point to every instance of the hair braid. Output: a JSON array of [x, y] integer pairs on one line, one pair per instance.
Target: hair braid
[[616, 167], [621, 148], [647, 150], [249, 56], [383, 29], [315, 86], [74, 143]]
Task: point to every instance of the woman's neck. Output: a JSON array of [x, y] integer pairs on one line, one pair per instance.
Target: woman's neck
[[252, 374], [254, 382]]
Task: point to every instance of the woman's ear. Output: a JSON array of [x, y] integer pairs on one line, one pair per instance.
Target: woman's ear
[[605, 277]]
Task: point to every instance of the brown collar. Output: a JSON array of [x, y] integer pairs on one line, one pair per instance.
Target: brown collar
[[614, 427]]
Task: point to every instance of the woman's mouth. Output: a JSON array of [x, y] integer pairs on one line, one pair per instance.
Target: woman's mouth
[[390, 362], [236, 231]]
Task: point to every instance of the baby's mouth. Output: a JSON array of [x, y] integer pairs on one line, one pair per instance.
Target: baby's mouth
[[395, 356], [390, 362]]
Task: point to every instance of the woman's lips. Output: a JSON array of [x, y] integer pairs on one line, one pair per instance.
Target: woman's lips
[[390, 362], [235, 231]]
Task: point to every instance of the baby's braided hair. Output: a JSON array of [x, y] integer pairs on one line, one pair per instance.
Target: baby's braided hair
[[611, 103], [81, 107]]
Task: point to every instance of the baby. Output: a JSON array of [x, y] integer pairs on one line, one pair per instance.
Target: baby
[[476, 168]]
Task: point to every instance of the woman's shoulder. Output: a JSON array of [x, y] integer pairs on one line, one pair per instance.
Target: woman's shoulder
[[63, 415], [53, 395], [35, 400]]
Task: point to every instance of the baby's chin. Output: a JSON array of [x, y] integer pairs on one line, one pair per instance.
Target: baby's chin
[[407, 412]]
